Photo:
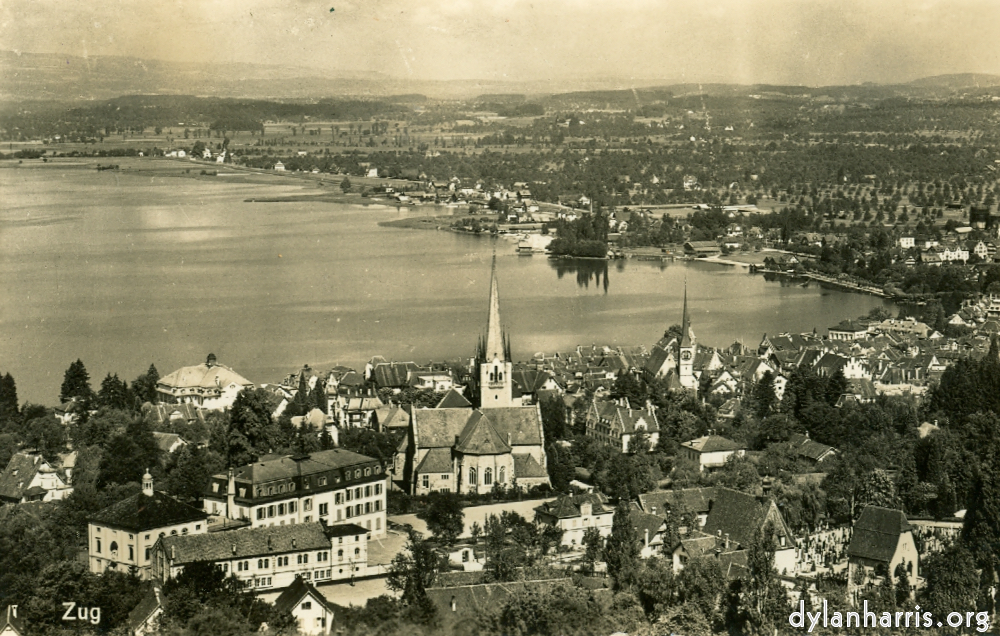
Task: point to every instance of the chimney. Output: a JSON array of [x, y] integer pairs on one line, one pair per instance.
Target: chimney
[[719, 533], [293, 544], [509, 439], [727, 541], [652, 510], [173, 553], [269, 548], [234, 548], [13, 611], [646, 539]]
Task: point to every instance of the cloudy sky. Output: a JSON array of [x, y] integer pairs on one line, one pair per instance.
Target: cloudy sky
[[811, 42]]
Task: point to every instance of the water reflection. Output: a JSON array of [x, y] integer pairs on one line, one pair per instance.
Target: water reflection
[[586, 270]]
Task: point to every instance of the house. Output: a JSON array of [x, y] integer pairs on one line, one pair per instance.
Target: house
[[882, 540], [460, 607], [710, 451], [848, 330], [169, 442], [809, 449], [736, 517], [906, 242], [121, 536], [393, 417], [279, 167], [859, 391], [28, 477], [701, 249], [332, 486], [210, 385], [574, 514], [145, 617], [501, 444], [617, 424], [313, 613], [358, 412], [10, 623], [651, 530], [270, 557]]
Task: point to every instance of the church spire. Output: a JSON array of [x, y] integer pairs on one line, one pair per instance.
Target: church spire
[[495, 346], [686, 335]]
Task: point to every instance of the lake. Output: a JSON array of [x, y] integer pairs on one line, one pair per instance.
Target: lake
[[123, 269]]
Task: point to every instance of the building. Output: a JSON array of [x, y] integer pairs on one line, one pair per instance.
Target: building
[[882, 539], [694, 501], [735, 519], [499, 445], [10, 623], [28, 477], [810, 449], [702, 249], [617, 423], [332, 486], [651, 530], [672, 359], [710, 451], [122, 536], [848, 330], [311, 610], [145, 617], [209, 385], [574, 514], [270, 557]]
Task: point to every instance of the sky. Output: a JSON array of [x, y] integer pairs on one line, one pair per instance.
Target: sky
[[811, 42]]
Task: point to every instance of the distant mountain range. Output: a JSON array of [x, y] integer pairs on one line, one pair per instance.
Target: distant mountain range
[[34, 77]]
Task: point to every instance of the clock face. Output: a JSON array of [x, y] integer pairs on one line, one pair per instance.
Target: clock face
[[685, 355]]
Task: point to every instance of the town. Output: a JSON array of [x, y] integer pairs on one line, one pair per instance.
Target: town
[[640, 485]]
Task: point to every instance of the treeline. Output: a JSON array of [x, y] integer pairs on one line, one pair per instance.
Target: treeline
[[586, 236]]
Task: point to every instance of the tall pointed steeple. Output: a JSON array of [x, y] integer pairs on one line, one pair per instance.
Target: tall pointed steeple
[[686, 335], [494, 331]]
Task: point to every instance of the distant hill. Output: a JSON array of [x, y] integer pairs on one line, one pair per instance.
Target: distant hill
[[957, 81]]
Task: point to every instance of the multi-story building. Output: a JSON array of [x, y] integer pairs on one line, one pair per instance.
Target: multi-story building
[[574, 514], [210, 385], [617, 423], [121, 536], [331, 486], [270, 557], [28, 477]]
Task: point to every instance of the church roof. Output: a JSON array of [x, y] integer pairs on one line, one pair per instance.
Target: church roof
[[527, 467], [437, 460], [481, 438], [453, 400]]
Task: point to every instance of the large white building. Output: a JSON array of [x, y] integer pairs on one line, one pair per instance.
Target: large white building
[[270, 557], [209, 385], [575, 514], [332, 486], [121, 536]]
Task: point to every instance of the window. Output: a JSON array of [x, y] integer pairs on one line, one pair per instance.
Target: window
[[338, 498], [357, 492], [350, 495], [307, 519], [260, 513], [291, 487], [368, 507], [425, 481], [378, 522], [131, 553], [378, 469], [98, 546], [270, 511], [322, 481], [357, 510], [197, 526], [307, 505], [378, 504], [270, 490], [147, 537], [349, 512], [378, 487], [243, 492], [184, 530], [340, 555], [368, 472], [503, 474], [114, 549], [488, 476], [260, 564], [307, 605], [215, 487], [472, 476], [281, 509], [357, 551], [324, 509], [281, 488], [147, 555], [173, 533], [357, 473]]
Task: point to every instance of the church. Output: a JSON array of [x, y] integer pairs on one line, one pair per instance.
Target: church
[[474, 450], [672, 359]]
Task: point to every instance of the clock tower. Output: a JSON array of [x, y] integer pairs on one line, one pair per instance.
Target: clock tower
[[685, 363], [495, 382]]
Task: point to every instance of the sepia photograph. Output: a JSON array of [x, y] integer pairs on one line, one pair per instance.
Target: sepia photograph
[[499, 317]]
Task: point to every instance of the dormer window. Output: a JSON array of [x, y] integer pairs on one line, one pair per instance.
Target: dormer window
[[243, 492], [215, 487]]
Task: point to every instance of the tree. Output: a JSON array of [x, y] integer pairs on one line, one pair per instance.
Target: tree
[[554, 418], [762, 396], [411, 573], [700, 583], [560, 467], [8, 399], [144, 386], [190, 469], [129, 455], [594, 544], [345, 185], [621, 551], [758, 603], [739, 473], [444, 516], [114, 394], [251, 430], [877, 489], [76, 383], [952, 581]]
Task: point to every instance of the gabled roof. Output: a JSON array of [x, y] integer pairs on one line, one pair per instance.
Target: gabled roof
[[141, 512], [270, 469], [480, 437], [152, 601], [17, 476], [876, 533], [392, 374], [568, 506], [697, 500], [453, 400], [245, 543], [644, 522], [741, 515], [712, 444], [437, 460], [392, 417], [9, 618], [810, 449], [166, 441], [527, 467], [297, 591]]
